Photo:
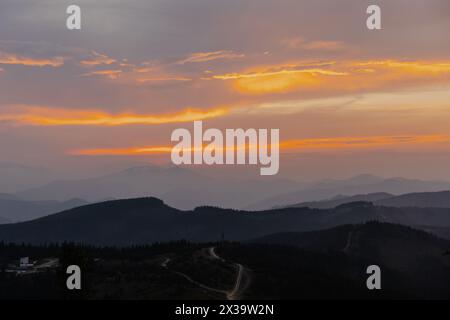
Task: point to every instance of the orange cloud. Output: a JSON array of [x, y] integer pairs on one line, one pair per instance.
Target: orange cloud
[[139, 151], [407, 66], [280, 72], [298, 145], [162, 79], [338, 77], [121, 152], [12, 59], [282, 78], [363, 142], [97, 59], [111, 74], [210, 56], [43, 116]]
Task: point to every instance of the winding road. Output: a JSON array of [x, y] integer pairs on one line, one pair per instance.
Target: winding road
[[233, 294]]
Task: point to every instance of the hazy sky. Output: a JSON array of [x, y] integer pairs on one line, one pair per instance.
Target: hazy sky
[[346, 100]]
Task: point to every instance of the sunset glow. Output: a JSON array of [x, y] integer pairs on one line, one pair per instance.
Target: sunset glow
[[13, 59], [327, 82], [345, 76], [41, 116], [300, 145]]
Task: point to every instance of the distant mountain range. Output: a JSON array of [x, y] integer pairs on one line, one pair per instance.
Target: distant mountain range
[[148, 220], [15, 176], [12, 209], [186, 189], [421, 200], [179, 187], [363, 184]]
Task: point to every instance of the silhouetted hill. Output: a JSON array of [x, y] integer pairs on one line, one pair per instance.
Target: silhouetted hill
[[442, 232], [338, 200], [329, 239], [357, 239], [413, 262], [440, 199], [424, 200], [19, 210], [147, 220], [409, 251]]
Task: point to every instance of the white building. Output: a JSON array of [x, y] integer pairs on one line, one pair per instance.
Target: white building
[[25, 262]]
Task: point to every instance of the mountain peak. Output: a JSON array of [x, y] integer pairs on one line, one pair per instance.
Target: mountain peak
[[147, 201], [356, 204]]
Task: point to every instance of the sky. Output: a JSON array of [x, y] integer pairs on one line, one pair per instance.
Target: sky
[[347, 100]]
